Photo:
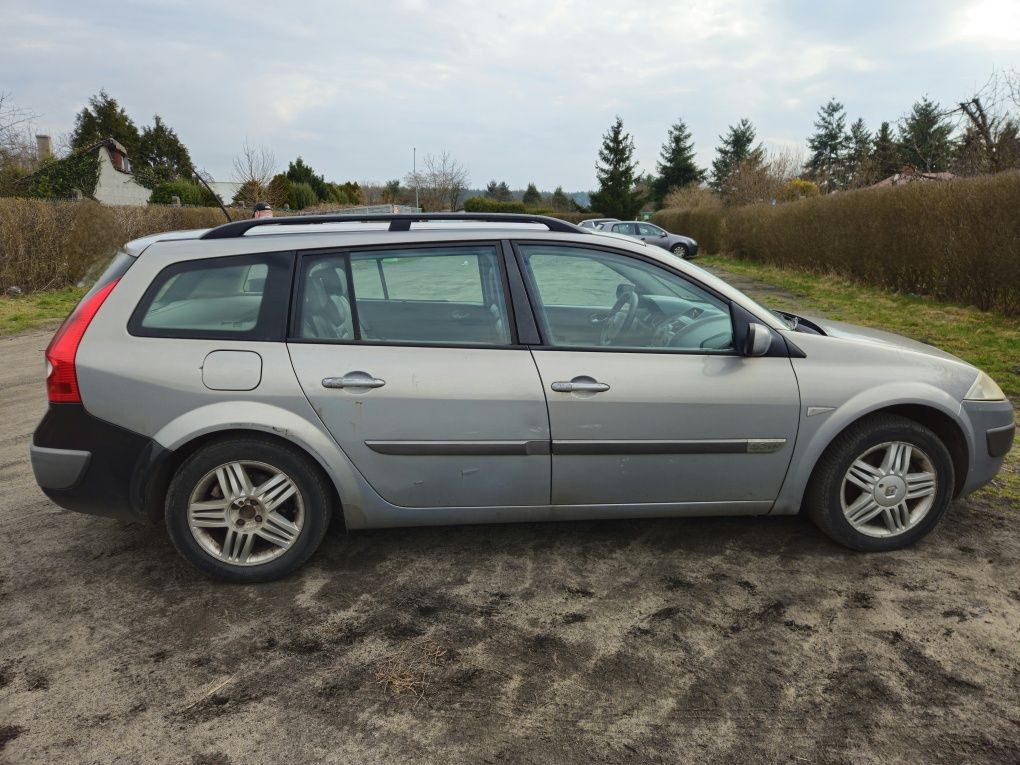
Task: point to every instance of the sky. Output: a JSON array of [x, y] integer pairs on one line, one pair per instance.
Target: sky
[[519, 91]]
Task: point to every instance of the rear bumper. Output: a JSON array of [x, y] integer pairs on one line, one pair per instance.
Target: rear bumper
[[91, 466], [993, 429]]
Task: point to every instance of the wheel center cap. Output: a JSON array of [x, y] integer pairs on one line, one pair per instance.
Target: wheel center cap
[[890, 490]]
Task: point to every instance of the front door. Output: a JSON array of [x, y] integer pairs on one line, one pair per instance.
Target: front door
[[408, 356], [648, 401]]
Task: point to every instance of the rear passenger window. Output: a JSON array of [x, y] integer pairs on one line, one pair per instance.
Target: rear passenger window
[[243, 297], [436, 295]]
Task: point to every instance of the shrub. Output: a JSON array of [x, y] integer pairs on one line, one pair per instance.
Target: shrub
[[187, 192], [484, 204], [301, 195], [46, 244], [955, 241]]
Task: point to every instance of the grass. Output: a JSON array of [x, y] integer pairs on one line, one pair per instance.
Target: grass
[[37, 309], [988, 340]]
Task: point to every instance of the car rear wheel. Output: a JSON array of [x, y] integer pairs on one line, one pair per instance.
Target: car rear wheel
[[882, 484], [680, 250], [248, 509]]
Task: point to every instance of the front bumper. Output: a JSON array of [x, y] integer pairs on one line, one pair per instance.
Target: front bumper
[[993, 432], [88, 465]]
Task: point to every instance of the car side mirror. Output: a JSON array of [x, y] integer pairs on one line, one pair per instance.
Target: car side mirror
[[759, 340]]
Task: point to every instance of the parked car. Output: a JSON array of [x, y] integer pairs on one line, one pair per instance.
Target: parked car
[[243, 384], [596, 222], [681, 246]]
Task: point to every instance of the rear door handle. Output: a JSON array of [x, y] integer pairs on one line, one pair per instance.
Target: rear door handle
[[353, 380], [581, 384]]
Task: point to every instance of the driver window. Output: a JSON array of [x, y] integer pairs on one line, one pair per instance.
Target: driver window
[[596, 299]]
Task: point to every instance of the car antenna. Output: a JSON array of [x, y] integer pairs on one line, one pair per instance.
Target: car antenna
[[201, 177]]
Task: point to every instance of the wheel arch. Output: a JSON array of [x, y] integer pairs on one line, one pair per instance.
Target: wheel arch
[[173, 454], [935, 414]]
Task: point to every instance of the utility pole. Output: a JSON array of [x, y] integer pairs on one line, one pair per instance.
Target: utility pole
[[414, 173]]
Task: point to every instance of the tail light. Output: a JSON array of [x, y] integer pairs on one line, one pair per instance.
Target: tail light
[[61, 378]]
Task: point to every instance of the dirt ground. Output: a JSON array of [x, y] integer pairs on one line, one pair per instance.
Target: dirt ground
[[719, 641]]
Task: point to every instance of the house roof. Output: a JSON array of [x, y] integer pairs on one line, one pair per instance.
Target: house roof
[[910, 175]]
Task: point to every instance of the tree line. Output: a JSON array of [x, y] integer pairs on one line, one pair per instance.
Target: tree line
[[976, 136]]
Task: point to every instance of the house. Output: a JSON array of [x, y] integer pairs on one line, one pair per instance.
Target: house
[[116, 184], [909, 175]]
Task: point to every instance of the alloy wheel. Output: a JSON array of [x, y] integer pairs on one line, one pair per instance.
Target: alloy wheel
[[246, 513], [888, 489]]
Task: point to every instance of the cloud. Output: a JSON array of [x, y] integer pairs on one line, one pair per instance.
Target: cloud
[[521, 93]]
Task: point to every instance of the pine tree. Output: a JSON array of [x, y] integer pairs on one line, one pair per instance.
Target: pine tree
[[104, 118], [885, 153], [559, 200], [677, 167], [924, 139], [161, 156], [532, 197], [829, 145], [858, 157], [499, 191], [615, 171], [736, 149]]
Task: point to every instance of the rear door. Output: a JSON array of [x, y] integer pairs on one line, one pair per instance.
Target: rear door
[[410, 357], [648, 401]]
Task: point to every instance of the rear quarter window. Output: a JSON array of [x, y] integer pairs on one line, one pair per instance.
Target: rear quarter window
[[238, 298]]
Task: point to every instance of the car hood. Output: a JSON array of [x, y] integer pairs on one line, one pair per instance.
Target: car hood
[[844, 331]]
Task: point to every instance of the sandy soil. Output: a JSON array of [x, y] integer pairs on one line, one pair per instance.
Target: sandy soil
[[724, 640]]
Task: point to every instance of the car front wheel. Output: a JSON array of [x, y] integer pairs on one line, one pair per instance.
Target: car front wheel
[[883, 484], [248, 509], [680, 250]]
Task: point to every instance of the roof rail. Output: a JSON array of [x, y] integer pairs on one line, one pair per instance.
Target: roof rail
[[398, 222]]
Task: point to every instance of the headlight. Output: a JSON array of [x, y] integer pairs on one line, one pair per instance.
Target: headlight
[[984, 389]]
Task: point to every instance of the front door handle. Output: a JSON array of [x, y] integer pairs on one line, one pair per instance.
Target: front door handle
[[353, 380], [581, 384]]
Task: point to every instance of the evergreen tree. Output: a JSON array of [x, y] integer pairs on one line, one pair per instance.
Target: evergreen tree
[[677, 167], [392, 192], [736, 148], [104, 118], [858, 157], [559, 200], [925, 141], [885, 153], [531, 196], [499, 191], [615, 172], [829, 145], [161, 156], [300, 172]]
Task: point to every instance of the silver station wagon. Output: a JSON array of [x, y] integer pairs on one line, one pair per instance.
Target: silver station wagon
[[244, 384]]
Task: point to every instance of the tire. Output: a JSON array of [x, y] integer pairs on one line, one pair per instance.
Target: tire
[[835, 496], [680, 250], [285, 522]]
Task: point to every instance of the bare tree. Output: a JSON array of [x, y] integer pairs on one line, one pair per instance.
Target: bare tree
[[16, 146], [990, 141], [753, 182], [440, 183], [254, 168]]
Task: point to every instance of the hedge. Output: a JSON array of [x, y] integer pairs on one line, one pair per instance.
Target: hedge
[[45, 244], [956, 241]]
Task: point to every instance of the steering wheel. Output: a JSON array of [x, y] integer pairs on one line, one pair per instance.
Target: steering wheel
[[620, 317]]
